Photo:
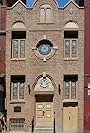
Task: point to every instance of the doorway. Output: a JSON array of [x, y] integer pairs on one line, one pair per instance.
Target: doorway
[[44, 111], [70, 118]]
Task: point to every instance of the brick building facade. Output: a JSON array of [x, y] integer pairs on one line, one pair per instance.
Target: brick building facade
[[45, 67], [2, 55], [86, 65]]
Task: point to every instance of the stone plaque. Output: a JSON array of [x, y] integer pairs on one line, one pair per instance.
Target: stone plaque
[[17, 109]]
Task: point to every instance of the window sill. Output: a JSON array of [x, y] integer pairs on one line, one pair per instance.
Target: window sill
[[70, 59], [18, 59], [70, 100], [17, 101]]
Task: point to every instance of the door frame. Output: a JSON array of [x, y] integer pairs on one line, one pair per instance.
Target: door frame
[[46, 100]]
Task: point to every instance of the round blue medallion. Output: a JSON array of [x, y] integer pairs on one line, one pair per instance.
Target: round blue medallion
[[44, 49]]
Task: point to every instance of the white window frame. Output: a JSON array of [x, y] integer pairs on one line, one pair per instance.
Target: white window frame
[[70, 89], [12, 90], [18, 48], [71, 39]]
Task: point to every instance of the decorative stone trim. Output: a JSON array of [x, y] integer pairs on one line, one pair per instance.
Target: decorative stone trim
[[44, 57]]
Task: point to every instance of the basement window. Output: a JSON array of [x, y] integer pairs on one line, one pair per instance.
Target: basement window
[[17, 124]]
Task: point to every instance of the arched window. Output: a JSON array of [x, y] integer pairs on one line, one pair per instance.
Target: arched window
[[48, 15], [45, 14], [71, 40], [42, 15], [18, 40]]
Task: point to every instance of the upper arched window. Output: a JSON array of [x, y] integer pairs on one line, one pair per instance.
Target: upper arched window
[[71, 40], [18, 40], [45, 14]]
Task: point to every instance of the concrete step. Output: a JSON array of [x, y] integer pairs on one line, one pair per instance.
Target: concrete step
[[43, 130]]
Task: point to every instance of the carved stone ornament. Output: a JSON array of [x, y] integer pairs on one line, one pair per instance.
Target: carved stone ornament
[[19, 11], [44, 84], [72, 11]]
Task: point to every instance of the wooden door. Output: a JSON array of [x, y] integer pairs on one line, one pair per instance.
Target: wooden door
[[44, 114], [70, 119]]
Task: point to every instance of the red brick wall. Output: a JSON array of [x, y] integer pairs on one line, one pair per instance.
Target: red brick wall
[[3, 22], [87, 36], [2, 39], [87, 65], [2, 53]]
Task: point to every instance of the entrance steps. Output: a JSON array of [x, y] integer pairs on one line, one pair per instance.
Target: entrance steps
[[43, 130]]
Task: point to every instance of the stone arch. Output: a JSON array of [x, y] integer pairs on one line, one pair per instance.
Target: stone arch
[[71, 25], [44, 82], [18, 25]]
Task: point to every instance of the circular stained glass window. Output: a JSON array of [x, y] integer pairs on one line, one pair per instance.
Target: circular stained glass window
[[44, 49]]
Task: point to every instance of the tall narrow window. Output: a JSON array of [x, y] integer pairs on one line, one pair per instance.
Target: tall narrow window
[[21, 90], [67, 86], [17, 87], [15, 48], [70, 44], [42, 15], [18, 44], [70, 86], [74, 48], [73, 89], [48, 15], [67, 48], [22, 48], [45, 14]]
